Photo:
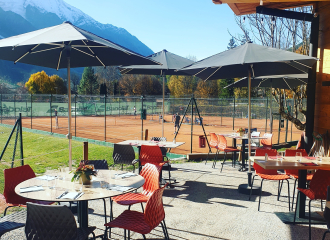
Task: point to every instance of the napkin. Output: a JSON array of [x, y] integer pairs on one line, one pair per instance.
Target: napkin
[[31, 189], [46, 177], [311, 158], [125, 175], [309, 164], [119, 188], [273, 158], [161, 145], [72, 195], [133, 144]]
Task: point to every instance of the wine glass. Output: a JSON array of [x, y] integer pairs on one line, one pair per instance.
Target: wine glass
[[298, 156]]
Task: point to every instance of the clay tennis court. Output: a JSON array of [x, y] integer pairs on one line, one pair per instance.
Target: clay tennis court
[[126, 127]]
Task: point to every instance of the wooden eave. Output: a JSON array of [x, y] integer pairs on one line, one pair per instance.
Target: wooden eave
[[243, 7]]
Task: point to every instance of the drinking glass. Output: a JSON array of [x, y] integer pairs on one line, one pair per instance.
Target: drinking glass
[[319, 156], [298, 156], [280, 156]]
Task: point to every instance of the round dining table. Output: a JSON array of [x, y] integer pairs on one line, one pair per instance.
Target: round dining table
[[102, 186]]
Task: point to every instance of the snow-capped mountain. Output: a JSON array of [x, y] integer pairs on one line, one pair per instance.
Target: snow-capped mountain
[[20, 16]]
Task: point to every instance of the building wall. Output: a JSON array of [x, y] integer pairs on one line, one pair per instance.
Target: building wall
[[322, 96]]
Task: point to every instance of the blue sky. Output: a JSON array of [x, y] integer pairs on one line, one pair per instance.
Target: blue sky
[[185, 27]]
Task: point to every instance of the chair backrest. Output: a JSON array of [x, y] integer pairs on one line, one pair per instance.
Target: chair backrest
[[123, 154], [150, 154], [262, 152], [99, 164], [222, 142], [255, 141], [150, 173], [49, 222], [292, 152], [154, 212], [268, 141], [319, 183], [14, 176], [213, 140]]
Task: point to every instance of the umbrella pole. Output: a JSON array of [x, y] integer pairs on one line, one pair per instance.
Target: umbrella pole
[[271, 103], [163, 111], [69, 109], [249, 129]]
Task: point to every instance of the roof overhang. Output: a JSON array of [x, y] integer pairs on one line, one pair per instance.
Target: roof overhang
[[243, 7]]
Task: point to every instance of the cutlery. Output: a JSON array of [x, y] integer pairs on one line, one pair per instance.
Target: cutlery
[[62, 195], [78, 195], [30, 187]]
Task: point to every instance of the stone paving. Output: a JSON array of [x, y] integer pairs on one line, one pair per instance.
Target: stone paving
[[205, 204]]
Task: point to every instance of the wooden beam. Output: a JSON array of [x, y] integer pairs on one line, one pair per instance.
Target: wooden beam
[[285, 13]]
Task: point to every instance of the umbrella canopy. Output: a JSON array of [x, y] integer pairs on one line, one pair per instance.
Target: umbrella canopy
[[170, 65], [66, 46], [279, 81], [250, 60], [45, 47], [262, 61]]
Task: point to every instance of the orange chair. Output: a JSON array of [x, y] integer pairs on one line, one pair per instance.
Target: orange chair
[[139, 222], [294, 172], [213, 144], [13, 177], [317, 191], [222, 146], [150, 173], [268, 174], [151, 154]]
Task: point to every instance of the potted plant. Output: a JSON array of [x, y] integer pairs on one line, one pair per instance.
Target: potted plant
[[241, 131], [84, 173]]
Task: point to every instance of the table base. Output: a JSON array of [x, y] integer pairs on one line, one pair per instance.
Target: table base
[[287, 218], [246, 189]]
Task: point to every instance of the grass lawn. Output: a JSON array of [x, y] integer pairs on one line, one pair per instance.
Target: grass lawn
[[44, 152]]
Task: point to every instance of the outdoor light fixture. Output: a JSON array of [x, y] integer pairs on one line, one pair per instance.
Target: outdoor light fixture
[[243, 19]]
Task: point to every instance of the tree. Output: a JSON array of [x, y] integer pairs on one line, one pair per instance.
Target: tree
[[232, 43], [88, 84], [75, 80], [41, 83], [207, 89], [109, 76], [180, 86], [58, 85], [288, 34]]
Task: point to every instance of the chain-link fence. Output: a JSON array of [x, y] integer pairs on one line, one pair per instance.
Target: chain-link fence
[[101, 118]]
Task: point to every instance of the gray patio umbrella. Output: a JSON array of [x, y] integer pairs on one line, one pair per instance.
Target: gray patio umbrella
[[170, 63], [66, 46], [250, 60], [278, 81]]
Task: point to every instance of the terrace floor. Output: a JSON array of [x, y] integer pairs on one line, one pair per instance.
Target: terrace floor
[[205, 204]]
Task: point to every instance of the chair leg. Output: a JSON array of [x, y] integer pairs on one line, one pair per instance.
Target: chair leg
[[168, 236], [125, 234], [251, 187], [322, 205], [260, 194], [111, 212], [164, 230], [294, 190], [215, 159], [129, 234], [142, 207], [309, 221], [325, 233], [144, 237], [105, 211], [280, 184], [288, 193], [295, 212], [224, 160]]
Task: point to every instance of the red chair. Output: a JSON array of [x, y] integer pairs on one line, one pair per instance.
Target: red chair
[[151, 154], [150, 173], [294, 172], [213, 144], [139, 222], [13, 177], [222, 146], [317, 191], [268, 174]]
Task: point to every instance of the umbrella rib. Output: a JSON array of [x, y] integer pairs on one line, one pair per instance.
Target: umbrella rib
[[200, 71], [302, 64], [48, 49], [287, 83], [59, 60], [263, 80], [26, 53], [125, 71], [83, 52], [94, 54], [295, 67], [213, 73]]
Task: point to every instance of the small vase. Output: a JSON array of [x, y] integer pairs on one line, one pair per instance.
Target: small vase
[[241, 134], [84, 179]]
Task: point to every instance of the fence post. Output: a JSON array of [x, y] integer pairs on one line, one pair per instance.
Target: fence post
[[50, 108], [105, 117], [266, 113], [85, 151], [75, 115], [15, 105], [119, 108], [1, 106], [142, 118], [192, 124], [31, 110], [21, 137]]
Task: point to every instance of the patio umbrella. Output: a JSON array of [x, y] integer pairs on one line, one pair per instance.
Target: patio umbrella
[[278, 81], [170, 63], [250, 60], [66, 46]]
